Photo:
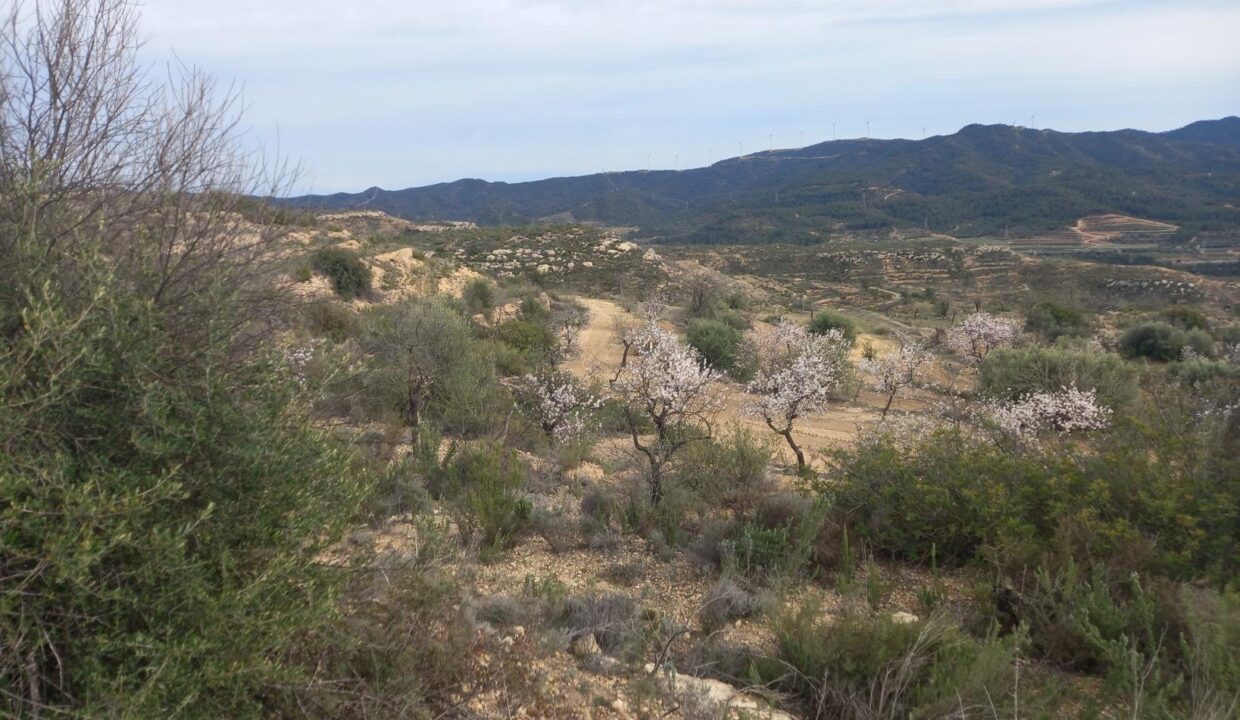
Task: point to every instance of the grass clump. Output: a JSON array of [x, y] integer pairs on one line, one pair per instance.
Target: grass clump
[[866, 666]]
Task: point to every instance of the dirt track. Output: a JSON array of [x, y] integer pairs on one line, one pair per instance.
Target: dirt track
[[600, 352]]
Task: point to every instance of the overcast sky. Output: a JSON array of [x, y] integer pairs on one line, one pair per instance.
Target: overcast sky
[[398, 94]]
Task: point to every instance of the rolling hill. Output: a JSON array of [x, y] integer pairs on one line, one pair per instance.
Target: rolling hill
[[981, 180]]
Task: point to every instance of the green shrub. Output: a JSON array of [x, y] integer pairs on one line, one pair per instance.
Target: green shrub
[[1163, 342], [826, 320], [484, 482], [1144, 499], [1186, 318], [860, 666], [350, 276], [330, 319], [1200, 342], [163, 519], [302, 272], [479, 296], [729, 470], [1158, 645], [718, 343], [1156, 341], [1215, 377], [1012, 372], [1052, 321], [527, 336]]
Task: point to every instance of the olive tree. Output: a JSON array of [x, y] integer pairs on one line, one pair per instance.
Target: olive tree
[[416, 346]]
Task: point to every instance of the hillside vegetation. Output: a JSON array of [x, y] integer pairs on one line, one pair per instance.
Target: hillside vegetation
[[982, 180], [258, 462]]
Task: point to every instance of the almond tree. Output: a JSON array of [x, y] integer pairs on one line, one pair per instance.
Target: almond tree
[[558, 403], [796, 372], [979, 333], [663, 381], [897, 369], [1062, 411]]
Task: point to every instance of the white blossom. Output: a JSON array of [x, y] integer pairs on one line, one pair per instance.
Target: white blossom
[[796, 372], [298, 359], [560, 406], [979, 333], [665, 375], [665, 381], [1064, 411], [898, 369]]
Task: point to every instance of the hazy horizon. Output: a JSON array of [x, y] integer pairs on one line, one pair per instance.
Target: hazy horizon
[[397, 96]]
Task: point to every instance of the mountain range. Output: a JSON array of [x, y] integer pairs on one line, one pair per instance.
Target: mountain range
[[982, 180]]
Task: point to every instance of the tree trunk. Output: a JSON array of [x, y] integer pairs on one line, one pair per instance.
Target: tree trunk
[[887, 407], [795, 448]]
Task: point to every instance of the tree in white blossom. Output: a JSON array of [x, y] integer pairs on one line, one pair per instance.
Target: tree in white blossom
[[897, 370], [1062, 411], [979, 333], [796, 372], [664, 382], [567, 327], [561, 407]]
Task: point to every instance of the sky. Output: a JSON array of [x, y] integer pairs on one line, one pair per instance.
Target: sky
[[400, 94]]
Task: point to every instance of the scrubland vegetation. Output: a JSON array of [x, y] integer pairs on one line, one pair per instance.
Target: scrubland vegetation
[[255, 463]]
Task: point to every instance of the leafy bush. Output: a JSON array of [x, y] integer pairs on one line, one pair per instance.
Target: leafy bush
[[1186, 318], [479, 296], [1158, 645], [163, 515], [827, 320], [527, 336], [330, 319], [718, 343], [484, 482], [1052, 321], [1145, 499], [1163, 342], [729, 470], [349, 275], [1012, 372]]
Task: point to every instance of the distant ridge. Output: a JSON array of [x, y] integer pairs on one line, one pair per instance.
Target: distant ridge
[[981, 180]]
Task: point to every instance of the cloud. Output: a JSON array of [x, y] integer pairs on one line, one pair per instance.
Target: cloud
[[398, 93]]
